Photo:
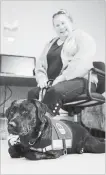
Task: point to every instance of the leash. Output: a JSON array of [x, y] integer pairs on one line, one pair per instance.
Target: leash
[[62, 142], [41, 96], [44, 90]]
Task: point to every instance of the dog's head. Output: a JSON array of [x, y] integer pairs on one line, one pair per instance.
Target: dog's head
[[25, 116]]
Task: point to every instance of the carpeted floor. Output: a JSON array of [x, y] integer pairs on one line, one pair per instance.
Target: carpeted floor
[[68, 164]]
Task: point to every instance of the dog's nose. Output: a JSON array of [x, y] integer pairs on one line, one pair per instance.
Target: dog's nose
[[12, 124]]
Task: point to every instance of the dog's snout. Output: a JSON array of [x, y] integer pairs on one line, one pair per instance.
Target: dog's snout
[[12, 124]]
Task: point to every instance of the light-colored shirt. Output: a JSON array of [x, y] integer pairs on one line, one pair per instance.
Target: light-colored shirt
[[77, 57]]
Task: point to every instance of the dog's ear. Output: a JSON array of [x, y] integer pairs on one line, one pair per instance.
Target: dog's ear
[[41, 109], [9, 109], [7, 112]]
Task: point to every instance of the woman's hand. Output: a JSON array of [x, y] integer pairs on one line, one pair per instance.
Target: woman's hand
[[42, 83], [58, 80]]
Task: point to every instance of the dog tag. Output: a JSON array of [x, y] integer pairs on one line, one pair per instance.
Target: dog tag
[[60, 128]]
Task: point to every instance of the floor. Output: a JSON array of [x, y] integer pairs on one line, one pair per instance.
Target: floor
[[67, 164]]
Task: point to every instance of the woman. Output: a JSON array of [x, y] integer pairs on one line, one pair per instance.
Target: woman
[[66, 59]]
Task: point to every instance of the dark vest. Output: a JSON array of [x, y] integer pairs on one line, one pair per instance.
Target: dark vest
[[61, 134]]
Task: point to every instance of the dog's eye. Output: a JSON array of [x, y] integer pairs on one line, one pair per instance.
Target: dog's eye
[[11, 112]]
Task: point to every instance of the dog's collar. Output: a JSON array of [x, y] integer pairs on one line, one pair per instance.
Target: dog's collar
[[62, 144], [32, 142]]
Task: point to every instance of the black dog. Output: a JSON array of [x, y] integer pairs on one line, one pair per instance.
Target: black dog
[[42, 137]]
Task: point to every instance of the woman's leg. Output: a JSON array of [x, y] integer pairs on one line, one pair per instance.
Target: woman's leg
[[33, 93], [64, 92]]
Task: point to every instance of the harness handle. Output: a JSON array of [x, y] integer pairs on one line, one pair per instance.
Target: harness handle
[[64, 147]]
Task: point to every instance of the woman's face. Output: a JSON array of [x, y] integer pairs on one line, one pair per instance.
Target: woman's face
[[62, 25]]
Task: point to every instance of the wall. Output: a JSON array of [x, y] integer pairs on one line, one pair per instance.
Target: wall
[[17, 93], [35, 24], [35, 27]]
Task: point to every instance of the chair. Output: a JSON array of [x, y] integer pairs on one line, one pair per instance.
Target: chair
[[75, 106], [90, 98]]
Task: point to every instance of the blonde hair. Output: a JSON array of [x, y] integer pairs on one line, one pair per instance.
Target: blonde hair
[[64, 12]]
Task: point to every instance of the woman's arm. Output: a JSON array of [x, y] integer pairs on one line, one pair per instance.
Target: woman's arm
[[82, 60], [41, 66]]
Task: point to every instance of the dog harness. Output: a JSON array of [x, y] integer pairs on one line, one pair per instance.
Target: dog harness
[[61, 137]]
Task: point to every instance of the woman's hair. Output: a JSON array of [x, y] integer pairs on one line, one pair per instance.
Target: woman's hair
[[64, 12]]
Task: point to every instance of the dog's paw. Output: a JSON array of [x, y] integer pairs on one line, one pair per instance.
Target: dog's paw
[[34, 155], [16, 151], [13, 140], [13, 153], [54, 154]]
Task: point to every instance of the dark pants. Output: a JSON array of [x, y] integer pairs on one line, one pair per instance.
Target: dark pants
[[61, 93]]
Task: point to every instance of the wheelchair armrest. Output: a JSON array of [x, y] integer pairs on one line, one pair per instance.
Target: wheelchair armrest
[[98, 72]]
